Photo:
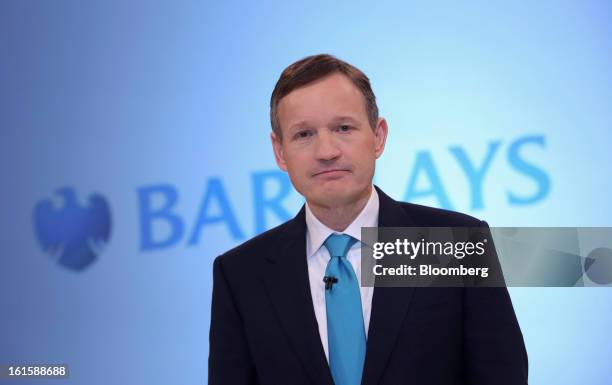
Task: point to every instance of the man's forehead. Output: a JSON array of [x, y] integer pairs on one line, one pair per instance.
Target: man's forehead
[[331, 98], [333, 85]]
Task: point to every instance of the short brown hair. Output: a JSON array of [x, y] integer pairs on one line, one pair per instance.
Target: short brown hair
[[312, 68]]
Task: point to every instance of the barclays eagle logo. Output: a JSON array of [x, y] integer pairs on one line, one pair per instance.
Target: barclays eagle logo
[[71, 234]]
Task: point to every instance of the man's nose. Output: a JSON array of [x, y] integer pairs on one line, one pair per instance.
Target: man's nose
[[327, 148]]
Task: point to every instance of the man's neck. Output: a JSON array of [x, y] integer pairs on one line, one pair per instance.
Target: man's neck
[[338, 218]]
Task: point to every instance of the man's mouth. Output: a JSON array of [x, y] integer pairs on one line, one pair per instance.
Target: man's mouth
[[331, 172]]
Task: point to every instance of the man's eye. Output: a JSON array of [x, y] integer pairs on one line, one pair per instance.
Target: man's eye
[[344, 128], [303, 134]]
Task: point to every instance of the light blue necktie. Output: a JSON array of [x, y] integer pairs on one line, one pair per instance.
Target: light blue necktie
[[345, 330]]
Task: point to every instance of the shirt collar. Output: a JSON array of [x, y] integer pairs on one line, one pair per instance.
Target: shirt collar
[[317, 232]]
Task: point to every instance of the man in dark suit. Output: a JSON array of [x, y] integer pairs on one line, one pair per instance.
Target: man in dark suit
[[278, 318]]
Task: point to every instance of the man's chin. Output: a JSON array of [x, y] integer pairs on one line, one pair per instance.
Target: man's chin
[[334, 196]]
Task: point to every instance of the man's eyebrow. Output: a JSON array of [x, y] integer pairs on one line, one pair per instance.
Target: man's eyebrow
[[299, 125], [345, 118], [336, 120]]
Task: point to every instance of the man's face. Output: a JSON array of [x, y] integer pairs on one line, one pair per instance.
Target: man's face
[[328, 147]]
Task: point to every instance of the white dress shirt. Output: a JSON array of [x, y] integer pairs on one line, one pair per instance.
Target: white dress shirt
[[317, 257]]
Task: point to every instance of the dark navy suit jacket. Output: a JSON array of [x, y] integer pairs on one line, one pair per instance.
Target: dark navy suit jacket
[[264, 331]]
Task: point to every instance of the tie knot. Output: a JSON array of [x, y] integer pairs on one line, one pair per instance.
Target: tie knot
[[339, 244]]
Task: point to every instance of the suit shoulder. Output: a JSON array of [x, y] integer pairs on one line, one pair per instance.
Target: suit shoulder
[[258, 245], [435, 217]]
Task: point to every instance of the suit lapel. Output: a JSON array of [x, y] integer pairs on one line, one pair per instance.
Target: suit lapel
[[287, 283], [389, 304]]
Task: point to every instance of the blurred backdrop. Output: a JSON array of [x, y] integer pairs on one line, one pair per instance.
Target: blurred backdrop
[[135, 149]]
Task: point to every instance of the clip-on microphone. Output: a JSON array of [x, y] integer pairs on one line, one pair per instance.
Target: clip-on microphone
[[329, 282]]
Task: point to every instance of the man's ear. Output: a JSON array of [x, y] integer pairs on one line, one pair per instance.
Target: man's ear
[[380, 134], [279, 155]]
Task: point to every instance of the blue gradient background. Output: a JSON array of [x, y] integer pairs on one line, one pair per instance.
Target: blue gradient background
[[112, 97]]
